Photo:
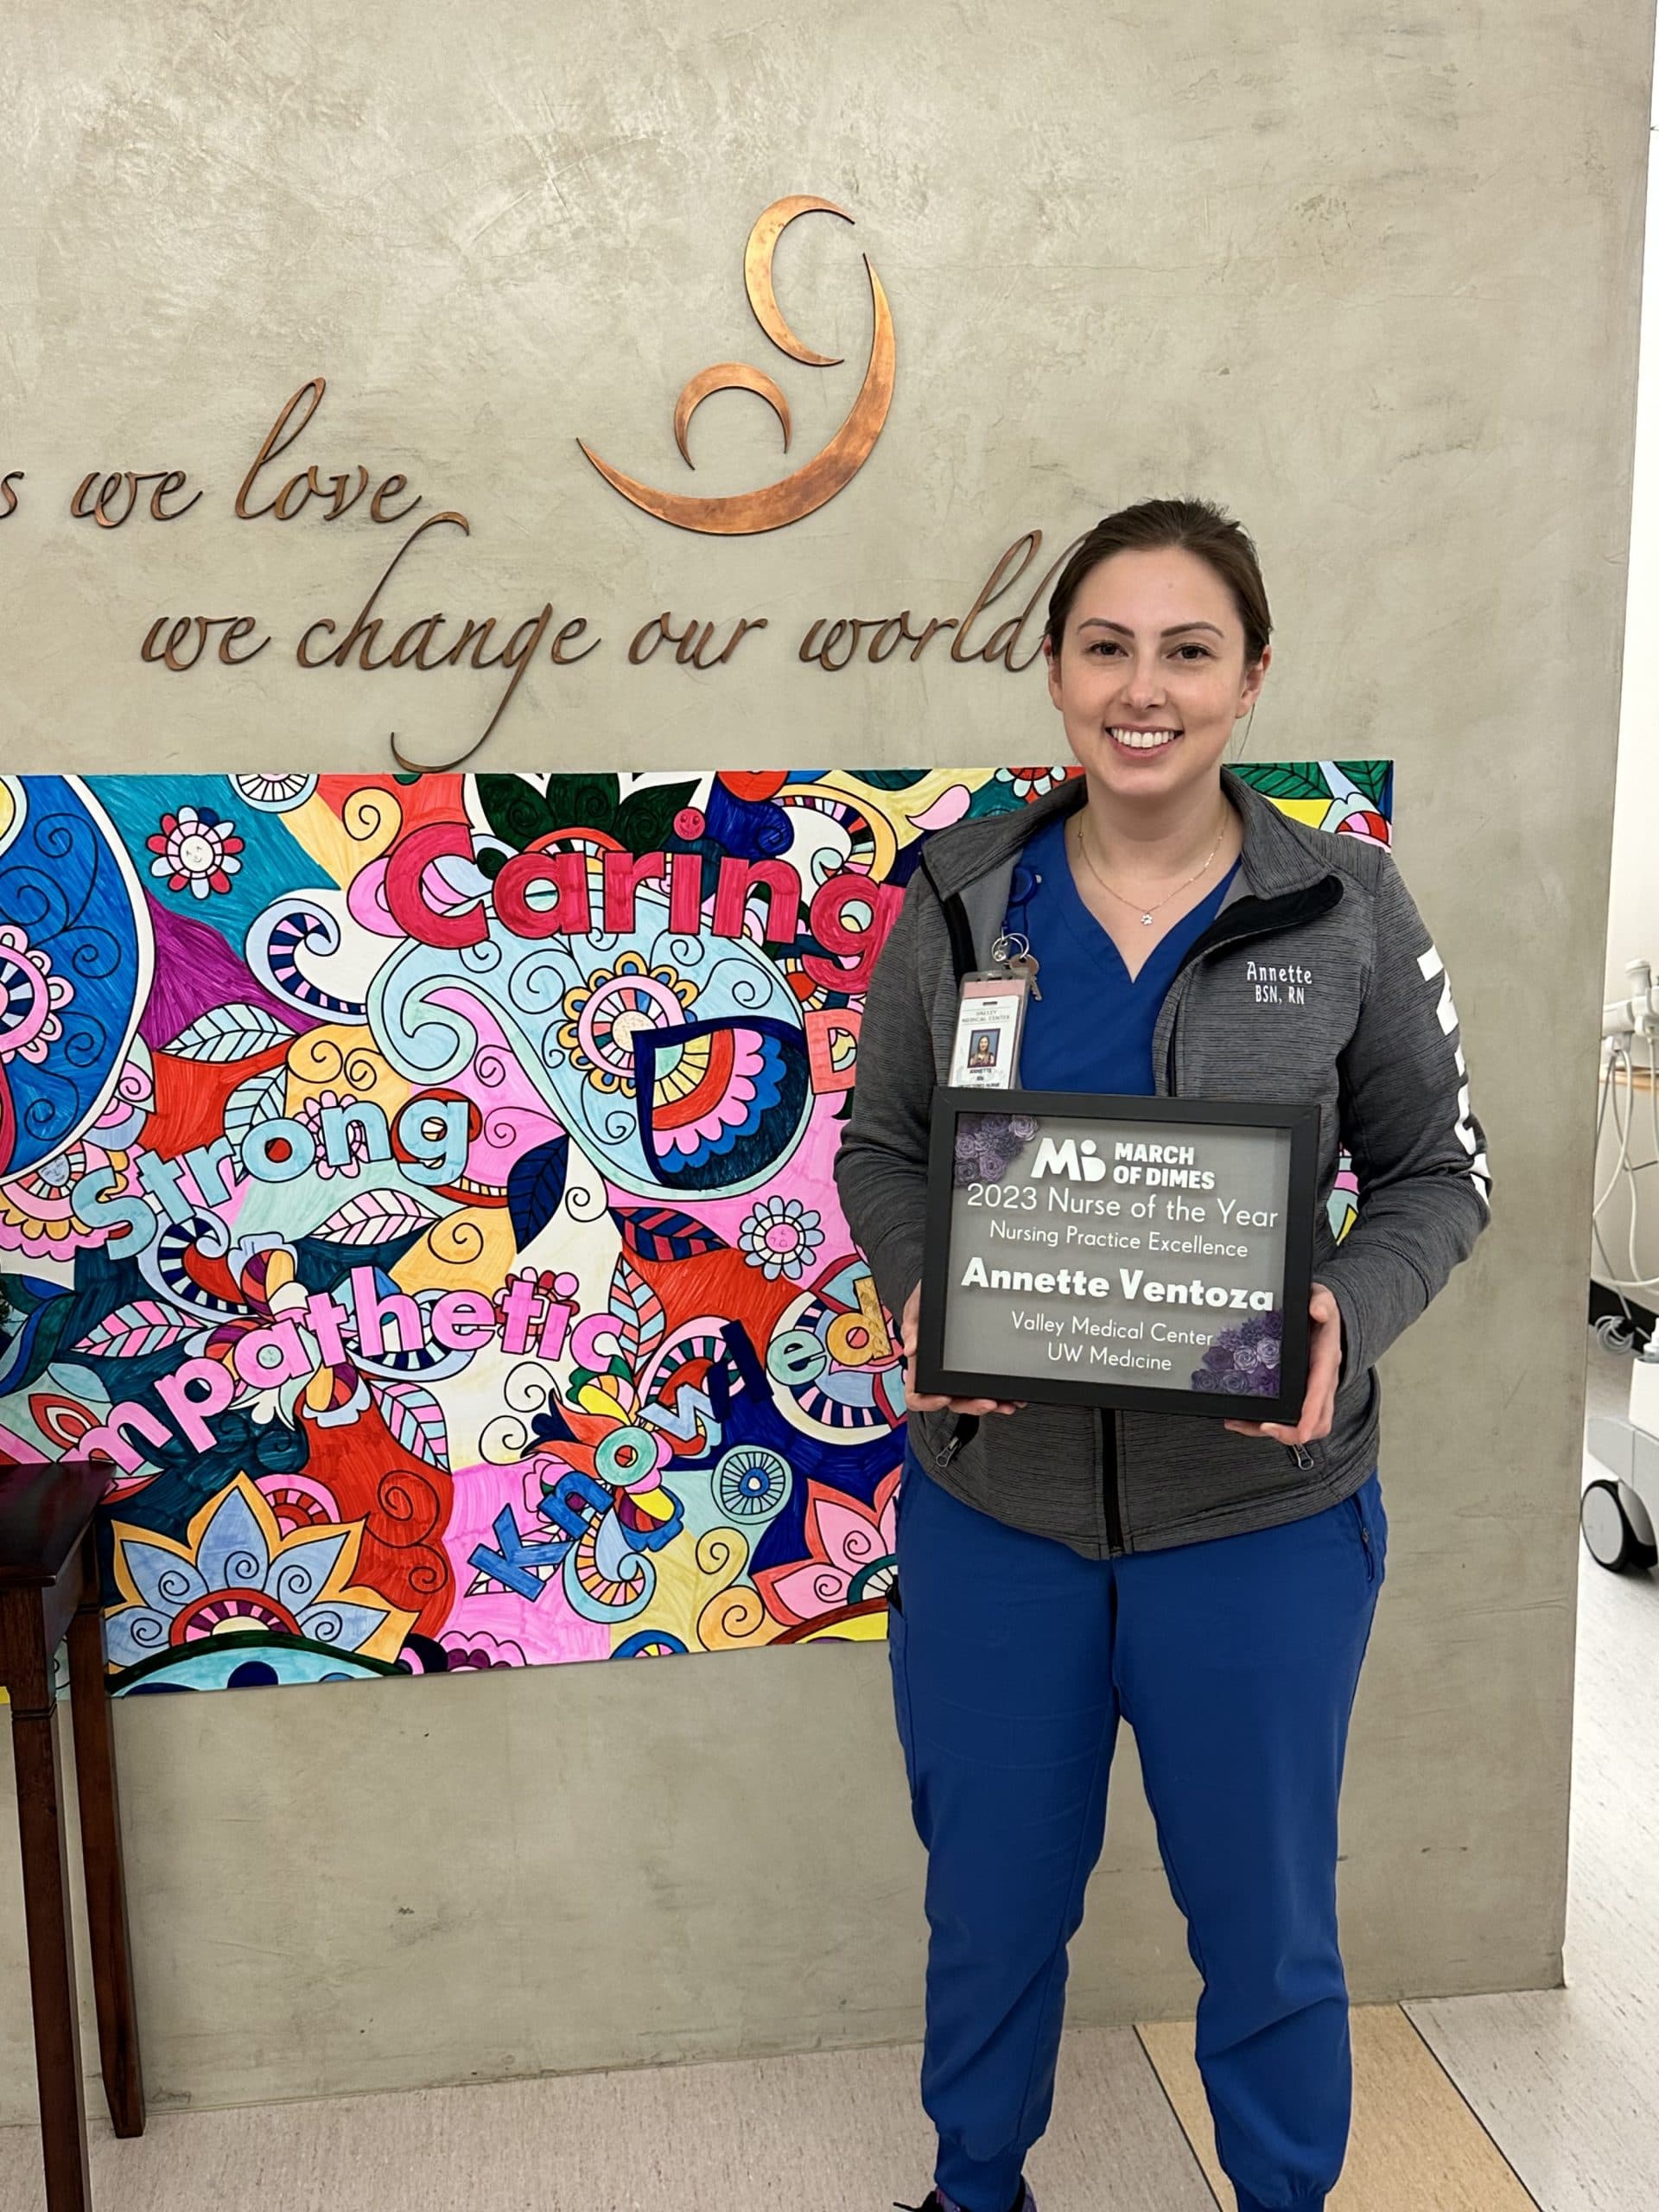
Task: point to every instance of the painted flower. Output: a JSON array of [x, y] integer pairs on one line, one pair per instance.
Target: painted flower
[[469, 1650], [1362, 821], [853, 1562], [357, 1136], [31, 997], [37, 1209], [196, 849], [603, 1016], [238, 1573], [779, 1236], [709, 1090], [1032, 783]]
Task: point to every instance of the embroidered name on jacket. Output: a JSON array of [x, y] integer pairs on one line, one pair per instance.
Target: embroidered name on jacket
[[1285, 984]]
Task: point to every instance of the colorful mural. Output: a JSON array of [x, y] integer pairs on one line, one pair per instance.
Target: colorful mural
[[420, 1190]]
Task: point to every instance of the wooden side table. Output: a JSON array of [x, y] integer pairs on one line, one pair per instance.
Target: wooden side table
[[48, 1585]]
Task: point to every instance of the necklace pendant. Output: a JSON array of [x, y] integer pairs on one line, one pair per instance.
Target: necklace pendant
[[1146, 918]]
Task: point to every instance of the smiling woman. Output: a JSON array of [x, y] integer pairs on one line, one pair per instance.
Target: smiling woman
[[1219, 1577]]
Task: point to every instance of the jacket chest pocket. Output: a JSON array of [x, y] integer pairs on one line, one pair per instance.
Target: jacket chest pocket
[[1258, 1027]]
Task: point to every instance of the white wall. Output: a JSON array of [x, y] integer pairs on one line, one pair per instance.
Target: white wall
[[1633, 907], [1633, 890]]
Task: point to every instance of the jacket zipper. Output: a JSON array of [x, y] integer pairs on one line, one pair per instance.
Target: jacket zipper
[[967, 1428], [963, 958], [1254, 917], [1109, 1465]]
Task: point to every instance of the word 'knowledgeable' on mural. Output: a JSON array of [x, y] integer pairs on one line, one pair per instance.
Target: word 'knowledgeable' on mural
[[419, 1192]]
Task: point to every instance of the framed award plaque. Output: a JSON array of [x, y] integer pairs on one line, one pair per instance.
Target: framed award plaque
[[1154, 1253]]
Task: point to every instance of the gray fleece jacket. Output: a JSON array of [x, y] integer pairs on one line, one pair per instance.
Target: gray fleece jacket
[[1372, 1037]]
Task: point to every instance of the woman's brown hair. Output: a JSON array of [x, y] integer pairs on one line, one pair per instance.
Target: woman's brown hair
[[1195, 526]]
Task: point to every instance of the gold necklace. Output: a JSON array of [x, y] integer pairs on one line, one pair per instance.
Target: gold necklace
[[1146, 912]]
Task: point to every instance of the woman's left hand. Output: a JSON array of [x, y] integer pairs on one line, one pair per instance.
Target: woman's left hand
[[1324, 1365]]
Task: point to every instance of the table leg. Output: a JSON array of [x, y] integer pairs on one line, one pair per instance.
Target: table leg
[[46, 1901], [100, 1843]]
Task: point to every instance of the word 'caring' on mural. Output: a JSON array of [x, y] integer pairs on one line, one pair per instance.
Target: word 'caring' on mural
[[848, 918]]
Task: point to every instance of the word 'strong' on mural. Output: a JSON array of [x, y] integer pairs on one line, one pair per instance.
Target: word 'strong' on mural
[[419, 1189]]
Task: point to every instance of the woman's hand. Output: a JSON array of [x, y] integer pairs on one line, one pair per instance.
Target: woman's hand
[[924, 1403], [1324, 1365]]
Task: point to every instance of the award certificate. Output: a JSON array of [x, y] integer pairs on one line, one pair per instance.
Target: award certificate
[[1152, 1252]]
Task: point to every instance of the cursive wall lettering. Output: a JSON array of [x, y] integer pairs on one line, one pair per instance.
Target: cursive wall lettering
[[1001, 628]]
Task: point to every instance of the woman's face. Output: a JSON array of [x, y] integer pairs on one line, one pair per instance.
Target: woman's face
[[1150, 676]]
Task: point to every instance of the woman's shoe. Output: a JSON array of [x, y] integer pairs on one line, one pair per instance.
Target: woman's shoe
[[936, 2201]]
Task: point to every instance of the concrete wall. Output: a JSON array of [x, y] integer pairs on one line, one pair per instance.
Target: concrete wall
[[1369, 275]]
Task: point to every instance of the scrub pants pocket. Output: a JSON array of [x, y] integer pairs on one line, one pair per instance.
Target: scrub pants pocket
[[1369, 1524]]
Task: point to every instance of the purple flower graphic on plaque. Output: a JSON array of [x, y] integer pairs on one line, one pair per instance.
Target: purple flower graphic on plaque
[[987, 1145], [1244, 1362]]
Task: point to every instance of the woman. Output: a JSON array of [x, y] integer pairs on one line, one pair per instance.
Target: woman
[[1212, 1582]]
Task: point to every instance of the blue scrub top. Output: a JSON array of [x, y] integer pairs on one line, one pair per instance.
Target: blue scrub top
[[1092, 1028]]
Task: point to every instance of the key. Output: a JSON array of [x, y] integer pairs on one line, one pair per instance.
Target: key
[[1026, 963]]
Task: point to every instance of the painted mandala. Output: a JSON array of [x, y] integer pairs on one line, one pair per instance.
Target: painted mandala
[[274, 794], [195, 851], [30, 996], [603, 1016], [236, 1572]]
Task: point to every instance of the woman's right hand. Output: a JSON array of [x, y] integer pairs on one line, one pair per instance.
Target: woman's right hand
[[923, 1401]]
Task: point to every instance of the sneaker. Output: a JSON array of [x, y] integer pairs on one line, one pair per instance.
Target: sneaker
[[936, 2201]]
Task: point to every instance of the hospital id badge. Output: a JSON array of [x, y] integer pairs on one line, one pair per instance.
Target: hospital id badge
[[990, 1020]]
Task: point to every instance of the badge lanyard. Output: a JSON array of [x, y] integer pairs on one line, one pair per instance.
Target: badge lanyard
[[991, 1016]]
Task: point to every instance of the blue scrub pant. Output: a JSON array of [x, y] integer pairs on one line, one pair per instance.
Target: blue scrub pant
[[1235, 1662]]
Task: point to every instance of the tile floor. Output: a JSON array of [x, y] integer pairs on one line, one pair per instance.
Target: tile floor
[[1567, 2080]]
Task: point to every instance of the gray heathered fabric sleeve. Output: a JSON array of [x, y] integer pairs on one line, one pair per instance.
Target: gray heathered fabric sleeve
[[1418, 1152], [882, 1167]]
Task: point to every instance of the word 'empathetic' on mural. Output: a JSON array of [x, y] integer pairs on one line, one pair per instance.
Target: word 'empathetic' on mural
[[418, 1190], [1001, 626]]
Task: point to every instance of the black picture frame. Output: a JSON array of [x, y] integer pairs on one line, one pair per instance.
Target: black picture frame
[[1298, 1120]]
